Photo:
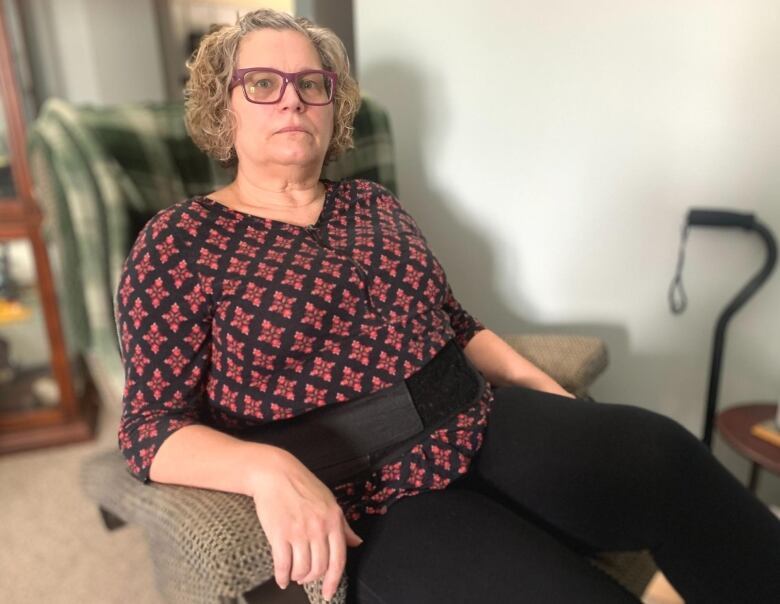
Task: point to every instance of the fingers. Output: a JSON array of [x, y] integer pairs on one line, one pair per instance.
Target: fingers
[[281, 552], [301, 560], [321, 557], [337, 561], [353, 539], [319, 560], [307, 561]]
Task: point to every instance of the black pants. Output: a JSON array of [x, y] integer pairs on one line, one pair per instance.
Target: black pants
[[558, 478]]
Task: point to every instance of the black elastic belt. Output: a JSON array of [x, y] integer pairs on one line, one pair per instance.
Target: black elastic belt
[[341, 442]]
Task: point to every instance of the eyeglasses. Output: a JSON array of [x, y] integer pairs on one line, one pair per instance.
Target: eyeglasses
[[265, 85]]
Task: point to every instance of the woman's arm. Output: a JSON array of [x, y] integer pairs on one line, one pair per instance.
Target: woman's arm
[[503, 366], [200, 456], [497, 361]]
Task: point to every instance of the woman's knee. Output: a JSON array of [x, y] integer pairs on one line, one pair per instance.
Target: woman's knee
[[537, 424], [662, 449]]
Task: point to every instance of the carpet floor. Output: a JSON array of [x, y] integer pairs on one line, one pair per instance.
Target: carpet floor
[[55, 548]]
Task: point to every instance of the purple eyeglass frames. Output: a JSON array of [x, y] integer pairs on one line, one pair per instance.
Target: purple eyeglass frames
[[266, 85]]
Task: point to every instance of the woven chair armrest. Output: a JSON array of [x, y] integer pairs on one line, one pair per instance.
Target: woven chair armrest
[[217, 535], [573, 361]]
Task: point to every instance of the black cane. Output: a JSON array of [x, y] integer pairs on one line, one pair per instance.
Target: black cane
[[723, 219]]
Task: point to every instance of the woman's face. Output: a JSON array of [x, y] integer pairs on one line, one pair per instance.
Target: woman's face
[[260, 140]]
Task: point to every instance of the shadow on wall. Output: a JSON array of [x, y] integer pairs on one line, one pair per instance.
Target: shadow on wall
[[674, 383], [465, 249], [469, 256]]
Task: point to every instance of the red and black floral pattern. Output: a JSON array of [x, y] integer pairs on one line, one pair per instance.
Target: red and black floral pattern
[[233, 320]]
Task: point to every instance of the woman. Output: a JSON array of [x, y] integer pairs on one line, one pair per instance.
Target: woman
[[282, 295]]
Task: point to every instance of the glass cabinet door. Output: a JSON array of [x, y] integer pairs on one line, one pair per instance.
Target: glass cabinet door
[[26, 380]]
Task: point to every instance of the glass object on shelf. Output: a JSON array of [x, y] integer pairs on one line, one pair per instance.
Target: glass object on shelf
[[26, 379]]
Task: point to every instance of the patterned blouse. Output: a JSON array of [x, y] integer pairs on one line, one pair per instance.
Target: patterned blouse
[[232, 320]]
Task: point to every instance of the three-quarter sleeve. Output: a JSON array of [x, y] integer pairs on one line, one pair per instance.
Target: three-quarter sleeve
[[463, 324], [163, 316]]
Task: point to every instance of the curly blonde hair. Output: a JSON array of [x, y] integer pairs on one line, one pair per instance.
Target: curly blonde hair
[[207, 114]]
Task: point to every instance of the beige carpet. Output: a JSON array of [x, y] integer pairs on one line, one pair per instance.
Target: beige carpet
[[54, 547]]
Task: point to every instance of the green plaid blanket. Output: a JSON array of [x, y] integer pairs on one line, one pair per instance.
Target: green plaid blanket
[[101, 172]]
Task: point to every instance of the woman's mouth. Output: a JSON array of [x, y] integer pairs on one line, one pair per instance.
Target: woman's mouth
[[291, 129]]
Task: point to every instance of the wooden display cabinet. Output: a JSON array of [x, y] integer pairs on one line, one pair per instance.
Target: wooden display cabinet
[[46, 397]]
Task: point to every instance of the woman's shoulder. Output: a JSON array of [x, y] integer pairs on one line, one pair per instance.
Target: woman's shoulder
[[182, 215], [183, 221], [363, 184], [357, 190]]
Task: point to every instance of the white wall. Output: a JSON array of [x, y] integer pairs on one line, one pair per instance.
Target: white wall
[[96, 51], [550, 151]]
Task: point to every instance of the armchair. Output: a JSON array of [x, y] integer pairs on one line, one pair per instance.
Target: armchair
[[100, 174]]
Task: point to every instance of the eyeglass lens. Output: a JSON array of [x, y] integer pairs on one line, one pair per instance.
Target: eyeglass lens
[[266, 87]]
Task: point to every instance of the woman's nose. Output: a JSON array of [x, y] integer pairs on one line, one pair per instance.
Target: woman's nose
[[291, 99]]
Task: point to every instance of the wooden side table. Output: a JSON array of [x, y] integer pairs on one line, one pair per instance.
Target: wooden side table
[[734, 425]]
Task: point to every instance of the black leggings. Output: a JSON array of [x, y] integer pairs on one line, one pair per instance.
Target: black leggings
[[559, 478]]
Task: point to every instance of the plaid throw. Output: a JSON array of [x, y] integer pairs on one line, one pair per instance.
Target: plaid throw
[[101, 172]]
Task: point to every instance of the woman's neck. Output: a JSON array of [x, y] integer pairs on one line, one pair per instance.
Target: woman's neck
[[288, 198]]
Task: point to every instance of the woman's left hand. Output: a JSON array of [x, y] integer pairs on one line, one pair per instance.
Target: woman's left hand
[[502, 365], [553, 387]]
